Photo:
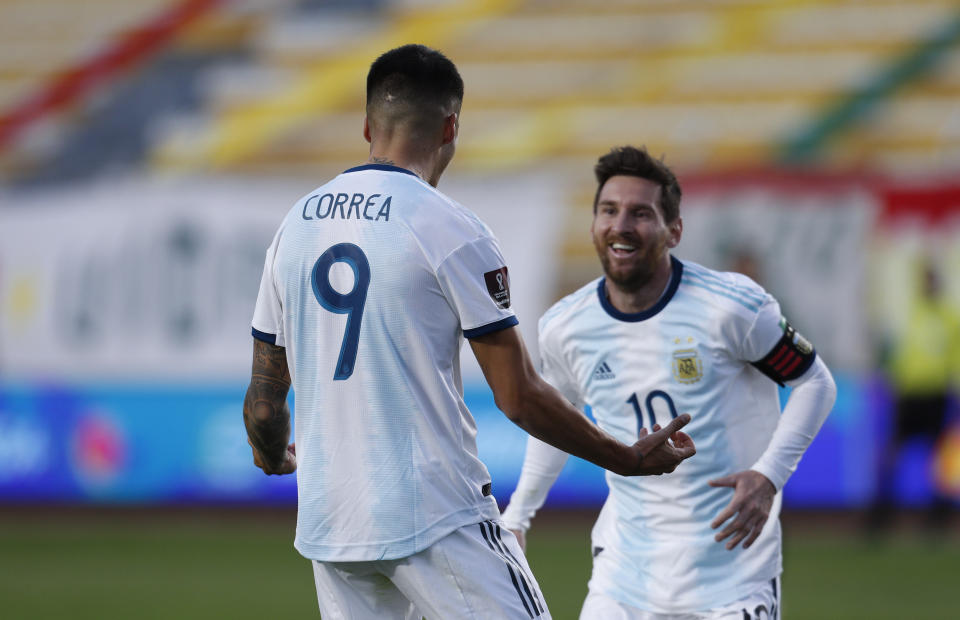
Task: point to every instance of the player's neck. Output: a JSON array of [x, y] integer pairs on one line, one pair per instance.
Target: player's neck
[[424, 165], [631, 300]]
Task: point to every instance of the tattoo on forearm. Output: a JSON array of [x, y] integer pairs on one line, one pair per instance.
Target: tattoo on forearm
[[265, 413]]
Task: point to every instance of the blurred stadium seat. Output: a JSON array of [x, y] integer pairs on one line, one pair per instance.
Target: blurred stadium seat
[[714, 85]]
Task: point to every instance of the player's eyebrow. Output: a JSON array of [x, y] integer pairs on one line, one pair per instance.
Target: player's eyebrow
[[629, 205]]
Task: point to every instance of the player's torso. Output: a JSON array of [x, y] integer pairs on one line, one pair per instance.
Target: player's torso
[[374, 344], [357, 279], [634, 374], [637, 373]]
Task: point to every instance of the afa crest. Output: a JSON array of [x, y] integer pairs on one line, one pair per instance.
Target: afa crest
[[687, 367]]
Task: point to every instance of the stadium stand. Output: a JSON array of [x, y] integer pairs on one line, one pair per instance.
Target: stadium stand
[[714, 85], [272, 86]]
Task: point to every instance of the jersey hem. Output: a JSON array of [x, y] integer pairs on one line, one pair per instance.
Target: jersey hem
[[404, 547]]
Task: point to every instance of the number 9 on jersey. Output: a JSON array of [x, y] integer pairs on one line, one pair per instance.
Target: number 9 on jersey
[[350, 303]]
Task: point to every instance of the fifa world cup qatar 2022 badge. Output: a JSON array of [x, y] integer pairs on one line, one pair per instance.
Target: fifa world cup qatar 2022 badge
[[498, 285]]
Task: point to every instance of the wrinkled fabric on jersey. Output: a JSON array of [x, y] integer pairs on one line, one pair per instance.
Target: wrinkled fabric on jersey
[[692, 352], [371, 284]]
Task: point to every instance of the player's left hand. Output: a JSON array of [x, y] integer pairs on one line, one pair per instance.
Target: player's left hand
[[287, 466], [752, 498]]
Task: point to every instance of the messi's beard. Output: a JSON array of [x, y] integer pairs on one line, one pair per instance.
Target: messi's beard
[[633, 280], [639, 275]]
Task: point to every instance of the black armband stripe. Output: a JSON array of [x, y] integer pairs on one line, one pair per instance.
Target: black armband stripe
[[781, 352], [788, 359]]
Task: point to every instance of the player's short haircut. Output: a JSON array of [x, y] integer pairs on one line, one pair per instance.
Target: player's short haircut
[[634, 162], [412, 83]]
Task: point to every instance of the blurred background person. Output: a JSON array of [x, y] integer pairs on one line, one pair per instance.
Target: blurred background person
[[923, 365]]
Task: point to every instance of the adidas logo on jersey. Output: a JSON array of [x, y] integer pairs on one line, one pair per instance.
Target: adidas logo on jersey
[[603, 371]]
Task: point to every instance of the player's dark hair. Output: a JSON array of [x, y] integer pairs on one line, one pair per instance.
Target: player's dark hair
[[634, 162], [412, 79]]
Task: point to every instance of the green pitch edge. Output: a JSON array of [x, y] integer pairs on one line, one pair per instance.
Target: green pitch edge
[[842, 114]]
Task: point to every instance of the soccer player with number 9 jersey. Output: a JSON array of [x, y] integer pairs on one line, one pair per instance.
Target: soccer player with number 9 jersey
[[369, 287], [654, 337]]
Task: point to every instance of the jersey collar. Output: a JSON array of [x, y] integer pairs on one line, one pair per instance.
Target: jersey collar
[[633, 317], [384, 167]]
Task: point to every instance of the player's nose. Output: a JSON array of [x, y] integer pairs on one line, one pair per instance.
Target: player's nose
[[621, 223]]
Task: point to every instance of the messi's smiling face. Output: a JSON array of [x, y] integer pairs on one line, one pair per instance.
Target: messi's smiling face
[[629, 231]]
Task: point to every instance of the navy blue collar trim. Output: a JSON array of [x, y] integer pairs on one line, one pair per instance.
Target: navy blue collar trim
[[384, 167], [677, 272]]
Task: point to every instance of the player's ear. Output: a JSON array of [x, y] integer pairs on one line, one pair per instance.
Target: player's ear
[[451, 125], [366, 129], [676, 231]]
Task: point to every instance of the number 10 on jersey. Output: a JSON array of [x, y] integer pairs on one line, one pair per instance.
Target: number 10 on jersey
[[350, 303], [651, 397]]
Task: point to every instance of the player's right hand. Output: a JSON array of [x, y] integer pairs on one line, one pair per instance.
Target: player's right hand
[[662, 450]]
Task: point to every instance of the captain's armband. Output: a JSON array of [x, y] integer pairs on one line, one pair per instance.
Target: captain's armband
[[790, 357]]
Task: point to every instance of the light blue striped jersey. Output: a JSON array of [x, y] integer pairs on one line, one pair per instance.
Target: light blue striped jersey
[[690, 353], [371, 283]]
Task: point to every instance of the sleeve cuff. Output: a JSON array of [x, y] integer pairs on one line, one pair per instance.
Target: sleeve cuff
[[778, 480], [489, 328], [265, 337]]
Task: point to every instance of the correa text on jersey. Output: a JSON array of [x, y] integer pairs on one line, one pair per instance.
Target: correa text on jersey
[[357, 206]]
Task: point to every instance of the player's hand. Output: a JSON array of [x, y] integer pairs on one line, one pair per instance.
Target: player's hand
[[662, 450], [521, 539], [287, 466], [752, 498]]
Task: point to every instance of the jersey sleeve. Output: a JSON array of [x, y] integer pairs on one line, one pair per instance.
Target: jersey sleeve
[[268, 312], [475, 281], [775, 348], [808, 406]]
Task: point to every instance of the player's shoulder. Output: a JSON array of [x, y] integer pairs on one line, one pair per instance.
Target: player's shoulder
[[432, 210], [561, 313], [443, 227], [729, 290], [461, 217]]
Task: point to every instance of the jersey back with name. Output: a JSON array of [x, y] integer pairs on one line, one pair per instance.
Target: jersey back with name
[[690, 353], [371, 283]]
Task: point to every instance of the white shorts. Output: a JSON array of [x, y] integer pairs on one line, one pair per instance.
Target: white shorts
[[478, 571], [763, 604]]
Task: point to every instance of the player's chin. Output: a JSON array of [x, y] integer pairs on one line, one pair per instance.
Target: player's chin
[[624, 274]]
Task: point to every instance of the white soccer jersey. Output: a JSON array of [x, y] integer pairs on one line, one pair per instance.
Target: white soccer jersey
[[690, 353], [371, 283]]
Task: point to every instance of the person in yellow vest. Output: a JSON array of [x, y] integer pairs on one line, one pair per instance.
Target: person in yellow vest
[[923, 368]]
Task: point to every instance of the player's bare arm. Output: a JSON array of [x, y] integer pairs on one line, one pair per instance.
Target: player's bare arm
[[536, 407], [265, 411]]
